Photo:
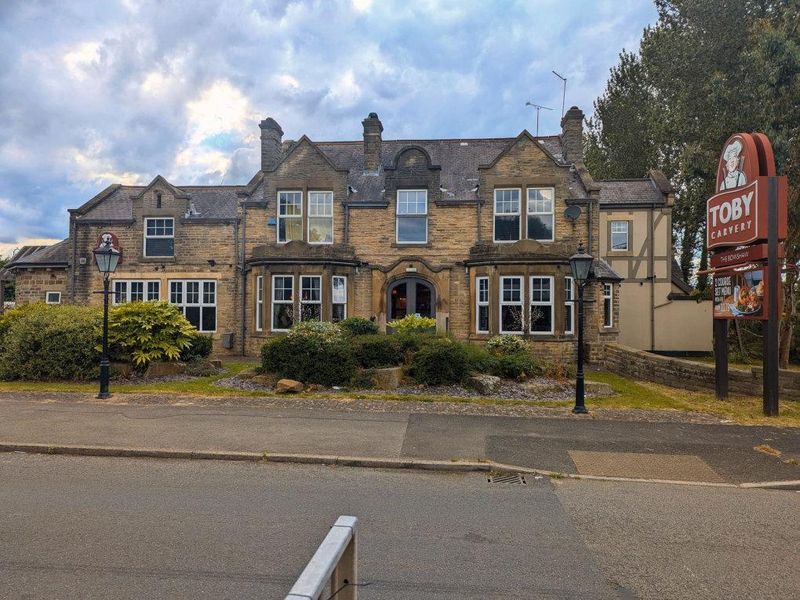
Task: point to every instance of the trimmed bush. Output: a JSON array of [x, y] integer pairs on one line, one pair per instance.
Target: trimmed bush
[[143, 332], [440, 363], [45, 342], [515, 366], [199, 348], [411, 341], [377, 350], [311, 353], [413, 323], [359, 326], [479, 359], [506, 344]]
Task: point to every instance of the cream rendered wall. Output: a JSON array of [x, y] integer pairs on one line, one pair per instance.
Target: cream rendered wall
[[684, 325]]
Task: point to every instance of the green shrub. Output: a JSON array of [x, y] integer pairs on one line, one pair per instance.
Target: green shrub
[[143, 332], [440, 363], [412, 323], [515, 366], [46, 342], [410, 341], [359, 326], [311, 353], [479, 359], [363, 379], [377, 351], [506, 344], [199, 348]]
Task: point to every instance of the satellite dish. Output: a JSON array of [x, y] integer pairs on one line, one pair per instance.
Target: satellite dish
[[572, 213]]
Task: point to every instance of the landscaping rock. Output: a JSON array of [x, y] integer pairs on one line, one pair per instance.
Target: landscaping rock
[[216, 362], [121, 370], [164, 369], [284, 386], [484, 384], [314, 387], [388, 378], [201, 368], [596, 388]]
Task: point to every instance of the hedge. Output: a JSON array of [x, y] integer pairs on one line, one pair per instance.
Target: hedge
[[372, 351], [440, 363]]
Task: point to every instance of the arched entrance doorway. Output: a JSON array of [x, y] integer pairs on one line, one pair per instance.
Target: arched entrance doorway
[[411, 296]]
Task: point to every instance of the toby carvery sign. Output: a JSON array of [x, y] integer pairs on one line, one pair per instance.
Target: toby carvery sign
[[737, 213]]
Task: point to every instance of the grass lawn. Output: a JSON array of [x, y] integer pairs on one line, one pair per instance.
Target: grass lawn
[[629, 394], [755, 362]]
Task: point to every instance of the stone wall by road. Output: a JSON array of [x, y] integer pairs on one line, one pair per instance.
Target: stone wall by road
[[691, 375]]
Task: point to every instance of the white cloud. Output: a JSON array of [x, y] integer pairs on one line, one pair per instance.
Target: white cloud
[[82, 59]]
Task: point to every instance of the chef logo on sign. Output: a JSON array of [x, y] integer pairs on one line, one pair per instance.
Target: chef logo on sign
[[733, 159]]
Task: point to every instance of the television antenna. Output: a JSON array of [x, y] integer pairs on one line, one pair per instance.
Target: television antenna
[[563, 90], [538, 108]]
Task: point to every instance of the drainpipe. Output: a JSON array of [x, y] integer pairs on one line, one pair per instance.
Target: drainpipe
[[346, 207], [651, 275], [243, 301]]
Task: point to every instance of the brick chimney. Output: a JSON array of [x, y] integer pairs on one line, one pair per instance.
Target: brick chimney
[[271, 151], [572, 135], [372, 142]]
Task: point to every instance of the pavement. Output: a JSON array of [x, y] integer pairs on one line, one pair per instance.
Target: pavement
[[699, 453]]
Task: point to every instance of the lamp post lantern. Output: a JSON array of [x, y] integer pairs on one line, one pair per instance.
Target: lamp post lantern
[[581, 265], [107, 259]]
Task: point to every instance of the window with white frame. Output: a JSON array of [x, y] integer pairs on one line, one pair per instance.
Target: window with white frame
[[506, 215], [541, 224], [608, 305], [159, 238], [569, 305], [52, 297], [310, 298], [511, 313], [197, 299], [338, 298], [619, 235], [412, 216], [541, 309], [282, 302], [320, 217], [290, 216], [127, 290], [482, 304], [260, 303]]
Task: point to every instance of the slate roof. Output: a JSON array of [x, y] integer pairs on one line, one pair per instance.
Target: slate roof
[[602, 270], [459, 160], [40, 256], [677, 278], [210, 202], [630, 192]]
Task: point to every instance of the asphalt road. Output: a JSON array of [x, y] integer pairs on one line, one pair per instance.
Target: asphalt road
[[80, 527]]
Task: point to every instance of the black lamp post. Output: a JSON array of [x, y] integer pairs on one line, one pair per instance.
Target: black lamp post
[[107, 258], [581, 265]]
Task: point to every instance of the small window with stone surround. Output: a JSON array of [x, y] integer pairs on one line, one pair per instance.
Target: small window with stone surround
[[53, 297]]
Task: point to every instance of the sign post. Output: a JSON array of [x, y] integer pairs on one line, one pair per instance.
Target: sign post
[[749, 208]]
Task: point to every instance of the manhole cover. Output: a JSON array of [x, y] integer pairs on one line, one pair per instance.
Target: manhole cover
[[507, 478]]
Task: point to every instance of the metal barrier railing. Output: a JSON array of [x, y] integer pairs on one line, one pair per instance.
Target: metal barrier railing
[[333, 564]]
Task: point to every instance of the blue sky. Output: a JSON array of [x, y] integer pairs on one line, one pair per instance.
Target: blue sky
[[93, 93]]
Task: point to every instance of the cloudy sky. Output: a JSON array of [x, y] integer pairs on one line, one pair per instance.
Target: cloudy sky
[[93, 93]]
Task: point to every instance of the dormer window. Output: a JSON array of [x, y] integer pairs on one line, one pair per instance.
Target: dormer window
[[290, 216], [412, 216], [159, 238]]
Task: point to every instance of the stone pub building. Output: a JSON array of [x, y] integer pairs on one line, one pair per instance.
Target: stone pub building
[[472, 232]]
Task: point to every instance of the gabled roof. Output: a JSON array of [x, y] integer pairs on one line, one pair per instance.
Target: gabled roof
[[621, 192], [159, 180], [306, 140], [677, 278], [56, 255], [603, 271]]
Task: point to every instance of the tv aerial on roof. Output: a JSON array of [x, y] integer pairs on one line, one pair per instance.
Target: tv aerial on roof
[[538, 108]]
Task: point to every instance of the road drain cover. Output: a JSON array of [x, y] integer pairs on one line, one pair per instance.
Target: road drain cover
[[507, 478]]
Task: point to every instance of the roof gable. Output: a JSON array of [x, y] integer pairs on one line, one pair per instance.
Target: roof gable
[[306, 141], [524, 135], [160, 181]]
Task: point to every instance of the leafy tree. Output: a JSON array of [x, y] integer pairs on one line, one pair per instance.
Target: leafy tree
[[706, 69]]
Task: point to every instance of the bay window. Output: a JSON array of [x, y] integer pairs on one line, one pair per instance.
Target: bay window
[[511, 320], [260, 303], [569, 305], [482, 304], [338, 298], [541, 305], [310, 298], [608, 305], [282, 302]]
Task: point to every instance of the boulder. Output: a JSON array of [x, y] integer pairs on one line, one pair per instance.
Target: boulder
[[285, 386], [216, 362], [164, 369], [484, 384], [388, 378]]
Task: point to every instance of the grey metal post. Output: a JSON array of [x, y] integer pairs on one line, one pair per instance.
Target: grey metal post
[[770, 368], [721, 358]]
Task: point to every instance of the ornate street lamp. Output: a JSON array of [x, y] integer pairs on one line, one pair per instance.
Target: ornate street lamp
[[107, 259], [581, 265]]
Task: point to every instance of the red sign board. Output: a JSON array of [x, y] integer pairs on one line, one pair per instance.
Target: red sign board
[[737, 213], [743, 255], [741, 295]]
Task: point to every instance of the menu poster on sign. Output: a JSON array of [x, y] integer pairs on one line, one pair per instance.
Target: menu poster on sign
[[740, 295]]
